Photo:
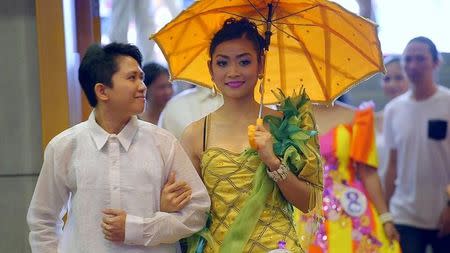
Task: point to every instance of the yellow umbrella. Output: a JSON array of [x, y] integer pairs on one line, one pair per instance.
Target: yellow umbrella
[[315, 44]]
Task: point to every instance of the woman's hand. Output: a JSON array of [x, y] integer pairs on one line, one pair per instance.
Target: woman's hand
[[391, 232], [174, 195], [264, 143]]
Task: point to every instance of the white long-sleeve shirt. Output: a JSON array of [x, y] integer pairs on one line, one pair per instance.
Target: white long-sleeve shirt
[[86, 170]]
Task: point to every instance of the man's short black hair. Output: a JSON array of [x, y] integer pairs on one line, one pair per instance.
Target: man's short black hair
[[152, 71], [99, 65], [431, 47]]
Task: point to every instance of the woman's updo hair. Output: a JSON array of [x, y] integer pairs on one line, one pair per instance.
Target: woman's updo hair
[[236, 29]]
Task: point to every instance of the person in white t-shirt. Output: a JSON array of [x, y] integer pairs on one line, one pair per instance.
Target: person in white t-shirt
[[417, 133]]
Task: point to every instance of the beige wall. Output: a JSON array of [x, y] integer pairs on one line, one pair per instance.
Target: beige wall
[[20, 120], [34, 103]]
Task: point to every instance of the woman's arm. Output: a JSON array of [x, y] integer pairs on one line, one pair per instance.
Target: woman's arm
[[391, 174], [190, 141], [372, 184], [296, 191]]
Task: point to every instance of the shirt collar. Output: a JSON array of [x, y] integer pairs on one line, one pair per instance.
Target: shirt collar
[[100, 136]]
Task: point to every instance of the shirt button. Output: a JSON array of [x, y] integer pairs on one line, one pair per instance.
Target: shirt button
[[115, 188]]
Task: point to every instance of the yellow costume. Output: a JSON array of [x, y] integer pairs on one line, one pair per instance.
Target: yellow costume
[[228, 178], [248, 211]]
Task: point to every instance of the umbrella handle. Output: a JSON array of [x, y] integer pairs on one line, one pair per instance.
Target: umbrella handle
[[251, 133]]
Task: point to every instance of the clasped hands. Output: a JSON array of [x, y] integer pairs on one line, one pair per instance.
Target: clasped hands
[[175, 195]]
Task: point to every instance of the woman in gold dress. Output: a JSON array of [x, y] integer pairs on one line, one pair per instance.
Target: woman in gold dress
[[252, 190]]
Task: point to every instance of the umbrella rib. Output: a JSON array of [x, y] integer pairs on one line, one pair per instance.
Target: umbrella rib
[[242, 16], [296, 24], [256, 9], [190, 60], [295, 13], [212, 11], [350, 43], [293, 36], [349, 23], [283, 31], [313, 66], [327, 51], [276, 6], [200, 21]]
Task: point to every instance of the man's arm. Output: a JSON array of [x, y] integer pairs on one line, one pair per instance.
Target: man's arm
[[164, 227], [389, 135], [391, 174], [444, 220], [44, 214]]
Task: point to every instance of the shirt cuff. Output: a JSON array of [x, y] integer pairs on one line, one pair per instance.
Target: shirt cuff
[[134, 230]]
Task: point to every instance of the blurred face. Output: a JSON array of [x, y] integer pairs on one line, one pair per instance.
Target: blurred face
[[234, 68], [160, 91], [394, 83], [418, 62], [127, 95]]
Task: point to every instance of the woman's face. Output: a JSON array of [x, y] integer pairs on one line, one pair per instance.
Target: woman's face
[[394, 82], [160, 92], [234, 68]]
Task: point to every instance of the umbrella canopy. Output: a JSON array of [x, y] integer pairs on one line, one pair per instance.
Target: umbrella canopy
[[315, 44]]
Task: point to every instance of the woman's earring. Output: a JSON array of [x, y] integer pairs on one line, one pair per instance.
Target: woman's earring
[[213, 91], [260, 76]]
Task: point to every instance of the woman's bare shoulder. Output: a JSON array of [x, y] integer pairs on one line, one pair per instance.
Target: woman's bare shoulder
[[194, 131]]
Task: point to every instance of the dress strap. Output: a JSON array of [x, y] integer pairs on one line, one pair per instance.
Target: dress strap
[[205, 132]]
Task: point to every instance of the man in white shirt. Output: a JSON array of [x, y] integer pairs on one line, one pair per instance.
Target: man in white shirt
[[417, 133], [109, 171]]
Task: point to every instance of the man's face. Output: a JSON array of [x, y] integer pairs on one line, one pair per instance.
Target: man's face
[[418, 62], [127, 95], [160, 91]]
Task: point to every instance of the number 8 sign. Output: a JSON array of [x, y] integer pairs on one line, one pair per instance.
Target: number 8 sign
[[354, 202]]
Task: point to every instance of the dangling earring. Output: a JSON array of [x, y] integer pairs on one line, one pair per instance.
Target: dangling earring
[[260, 76], [213, 91]]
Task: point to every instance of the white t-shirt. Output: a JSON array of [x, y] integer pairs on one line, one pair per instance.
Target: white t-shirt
[[419, 131], [382, 152]]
